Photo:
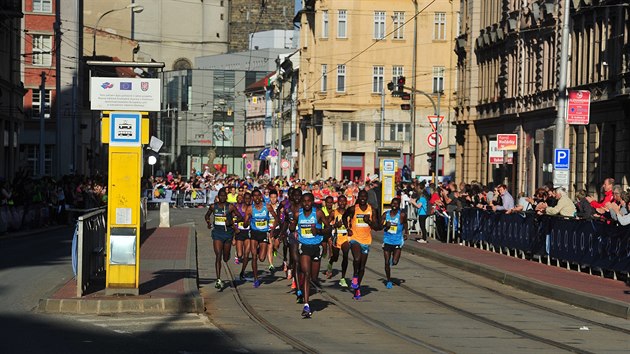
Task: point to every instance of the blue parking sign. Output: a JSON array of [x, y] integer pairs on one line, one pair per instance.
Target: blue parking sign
[[561, 159]]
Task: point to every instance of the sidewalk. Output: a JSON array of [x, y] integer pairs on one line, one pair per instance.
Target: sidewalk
[[580, 289], [168, 280]]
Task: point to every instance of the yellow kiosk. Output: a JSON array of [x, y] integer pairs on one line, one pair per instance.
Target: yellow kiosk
[[125, 132]]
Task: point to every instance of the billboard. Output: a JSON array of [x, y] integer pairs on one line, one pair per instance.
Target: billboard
[[125, 94]]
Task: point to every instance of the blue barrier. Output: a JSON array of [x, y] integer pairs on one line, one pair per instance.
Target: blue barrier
[[587, 243]]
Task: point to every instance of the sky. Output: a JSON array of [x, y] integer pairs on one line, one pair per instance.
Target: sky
[[298, 5]]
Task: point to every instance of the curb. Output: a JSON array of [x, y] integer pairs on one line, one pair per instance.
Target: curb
[[32, 232], [566, 295], [191, 302]]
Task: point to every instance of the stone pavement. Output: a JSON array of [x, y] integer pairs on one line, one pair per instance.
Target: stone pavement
[[168, 280]]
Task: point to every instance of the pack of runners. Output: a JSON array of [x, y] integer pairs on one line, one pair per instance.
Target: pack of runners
[[262, 221]]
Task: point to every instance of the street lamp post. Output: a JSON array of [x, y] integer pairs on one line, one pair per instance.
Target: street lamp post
[[133, 7]]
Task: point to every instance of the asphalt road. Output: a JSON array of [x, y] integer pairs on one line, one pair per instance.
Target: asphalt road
[[434, 308]]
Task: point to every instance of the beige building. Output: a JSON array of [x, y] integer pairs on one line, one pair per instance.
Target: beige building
[[508, 69], [350, 50]]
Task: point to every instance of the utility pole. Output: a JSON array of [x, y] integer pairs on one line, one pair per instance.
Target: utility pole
[[413, 86], [562, 79], [58, 124], [382, 117], [437, 134], [42, 116]]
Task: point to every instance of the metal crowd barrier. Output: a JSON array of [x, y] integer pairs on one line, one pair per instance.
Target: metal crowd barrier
[[177, 198], [593, 245], [89, 248]]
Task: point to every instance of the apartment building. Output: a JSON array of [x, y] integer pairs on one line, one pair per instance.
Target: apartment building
[[11, 102], [508, 67], [348, 118]]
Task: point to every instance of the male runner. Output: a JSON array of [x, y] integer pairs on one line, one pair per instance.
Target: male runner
[[242, 237], [222, 226], [363, 219], [308, 223], [327, 208], [259, 234], [394, 223], [274, 227], [340, 240]]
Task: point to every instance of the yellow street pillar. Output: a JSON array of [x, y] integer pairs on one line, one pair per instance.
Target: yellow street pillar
[[125, 132]]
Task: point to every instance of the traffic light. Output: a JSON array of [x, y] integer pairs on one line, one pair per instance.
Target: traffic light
[[405, 96], [390, 86], [431, 160], [405, 107], [401, 83]]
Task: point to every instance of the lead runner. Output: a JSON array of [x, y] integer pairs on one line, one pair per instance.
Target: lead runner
[[394, 223]]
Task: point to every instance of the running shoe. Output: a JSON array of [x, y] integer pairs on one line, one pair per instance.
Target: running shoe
[[272, 268], [389, 285], [241, 276], [355, 283], [285, 267], [357, 294], [329, 271], [256, 283], [306, 312], [237, 261], [422, 240], [299, 297], [289, 274], [218, 284], [293, 284], [343, 283], [275, 253]]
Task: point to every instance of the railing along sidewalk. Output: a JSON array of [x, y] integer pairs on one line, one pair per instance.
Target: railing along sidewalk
[[89, 252]]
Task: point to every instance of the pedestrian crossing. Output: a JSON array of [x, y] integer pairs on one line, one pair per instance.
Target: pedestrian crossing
[[132, 324]]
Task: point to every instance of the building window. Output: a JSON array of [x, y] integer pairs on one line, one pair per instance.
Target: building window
[[394, 132], [377, 79], [42, 45], [353, 131], [32, 159], [324, 77], [36, 104], [379, 24], [399, 21], [341, 78], [439, 26], [342, 24], [325, 24], [42, 6], [438, 79], [397, 71]]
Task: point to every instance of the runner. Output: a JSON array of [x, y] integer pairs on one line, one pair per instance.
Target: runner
[[242, 237], [394, 222], [363, 219], [274, 227], [222, 231], [308, 223], [340, 241], [259, 239], [327, 208], [292, 241]]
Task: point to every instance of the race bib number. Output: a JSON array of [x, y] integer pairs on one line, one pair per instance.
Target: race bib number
[[361, 221], [307, 232], [393, 229], [342, 231], [220, 220], [261, 224], [241, 225]]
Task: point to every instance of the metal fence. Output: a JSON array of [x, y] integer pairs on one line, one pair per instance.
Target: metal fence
[[90, 247]]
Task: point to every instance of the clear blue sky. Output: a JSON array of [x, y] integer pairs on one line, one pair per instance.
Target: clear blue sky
[[298, 5]]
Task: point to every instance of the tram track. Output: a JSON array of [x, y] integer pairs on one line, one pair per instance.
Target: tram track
[[256, 317], [519, 300]]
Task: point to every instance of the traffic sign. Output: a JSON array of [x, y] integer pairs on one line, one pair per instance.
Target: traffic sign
[[249, 165], [273, 153], [561, 159], [578, 108], [284, 164], [431, 139], [434, 121]]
